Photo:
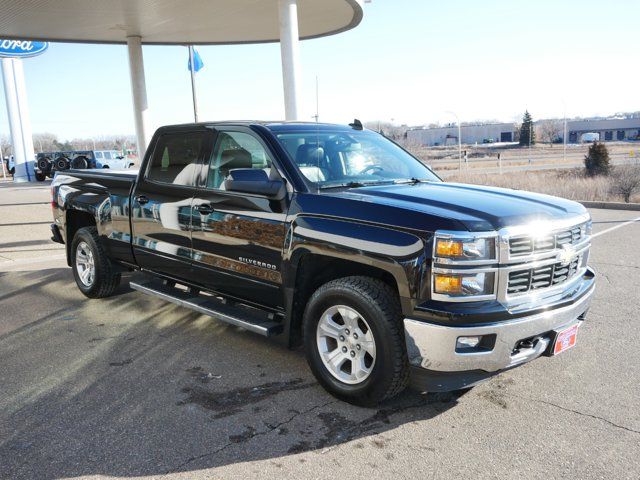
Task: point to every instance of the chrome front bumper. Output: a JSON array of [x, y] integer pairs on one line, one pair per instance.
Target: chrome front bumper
[[433, 347]]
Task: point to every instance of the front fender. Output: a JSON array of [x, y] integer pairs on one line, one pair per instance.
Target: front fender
[[400, 253]]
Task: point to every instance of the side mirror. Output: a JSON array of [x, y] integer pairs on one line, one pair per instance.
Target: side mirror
[[254, 181]]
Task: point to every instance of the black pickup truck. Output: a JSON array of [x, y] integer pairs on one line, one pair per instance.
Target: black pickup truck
[[335, 238]]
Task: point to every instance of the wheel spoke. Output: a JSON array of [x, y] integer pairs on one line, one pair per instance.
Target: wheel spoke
[[369, 347], [84, 276], [329, 328], [360, 369], [335, 358], [349, 316]]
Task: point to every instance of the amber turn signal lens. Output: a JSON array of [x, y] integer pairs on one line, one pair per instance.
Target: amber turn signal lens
[[449, 248], [448, 284]]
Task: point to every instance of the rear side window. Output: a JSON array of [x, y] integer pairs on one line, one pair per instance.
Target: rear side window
[[176, 159], [98, 154]]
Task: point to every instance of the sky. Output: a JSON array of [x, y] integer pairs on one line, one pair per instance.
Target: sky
[[411, 62]]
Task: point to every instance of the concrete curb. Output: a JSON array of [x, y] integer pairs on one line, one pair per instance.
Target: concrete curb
[[612, 205]]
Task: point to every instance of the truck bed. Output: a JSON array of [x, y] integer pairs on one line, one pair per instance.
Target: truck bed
[[102, 174]]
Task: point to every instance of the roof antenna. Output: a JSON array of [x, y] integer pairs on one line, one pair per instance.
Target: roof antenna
[[317, 115], [356, 125]]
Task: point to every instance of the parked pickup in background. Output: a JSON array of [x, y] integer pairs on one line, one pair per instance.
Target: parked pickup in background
[[335, 238]]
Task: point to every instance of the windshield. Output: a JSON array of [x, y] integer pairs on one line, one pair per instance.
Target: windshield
[[351, 159]]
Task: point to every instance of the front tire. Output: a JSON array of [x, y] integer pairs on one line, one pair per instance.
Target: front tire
[[92, 269], [354, 340]]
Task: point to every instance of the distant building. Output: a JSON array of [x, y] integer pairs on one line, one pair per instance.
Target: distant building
[[606, 130], [489, 133]]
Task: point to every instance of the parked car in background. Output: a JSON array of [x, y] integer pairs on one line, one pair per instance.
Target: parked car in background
[[111, 159], [50, 162]]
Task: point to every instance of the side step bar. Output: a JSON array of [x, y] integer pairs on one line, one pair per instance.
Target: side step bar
[[251, 319]]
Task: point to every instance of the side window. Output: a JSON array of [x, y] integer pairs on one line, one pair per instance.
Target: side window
[[107, 155], [235, 150], [175, 158], [99, 155]]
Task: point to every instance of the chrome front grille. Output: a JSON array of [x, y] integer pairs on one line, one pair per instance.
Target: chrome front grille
[[529, 279], [527, 245]]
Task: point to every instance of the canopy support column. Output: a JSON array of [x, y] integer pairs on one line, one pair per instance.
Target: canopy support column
[[139, 93], [289, 51], [19, 121]]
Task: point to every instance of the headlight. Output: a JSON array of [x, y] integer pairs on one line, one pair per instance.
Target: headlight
[[465, 248], [463, 285]]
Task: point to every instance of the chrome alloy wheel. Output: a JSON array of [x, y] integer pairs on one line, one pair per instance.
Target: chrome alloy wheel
[[346, 344], [85, 264]]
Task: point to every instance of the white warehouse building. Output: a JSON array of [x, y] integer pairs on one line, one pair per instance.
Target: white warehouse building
[[604, 130], [471, 134]]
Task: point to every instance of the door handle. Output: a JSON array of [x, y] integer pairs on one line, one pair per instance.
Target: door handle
[[141, 199], [205, 209]]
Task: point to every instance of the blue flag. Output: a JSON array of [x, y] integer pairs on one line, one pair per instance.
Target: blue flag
[[197, 61]]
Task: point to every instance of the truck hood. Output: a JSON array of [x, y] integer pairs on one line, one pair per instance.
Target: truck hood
[[477, 207]]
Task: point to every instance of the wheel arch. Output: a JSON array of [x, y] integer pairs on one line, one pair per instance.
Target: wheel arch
[[321, 250], [75, 220]]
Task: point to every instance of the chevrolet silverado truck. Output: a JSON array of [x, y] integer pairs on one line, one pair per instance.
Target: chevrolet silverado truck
[[335, 238]]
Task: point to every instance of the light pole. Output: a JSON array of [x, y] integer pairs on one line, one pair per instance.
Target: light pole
[[459, 139], [530, 132], [564, 134]]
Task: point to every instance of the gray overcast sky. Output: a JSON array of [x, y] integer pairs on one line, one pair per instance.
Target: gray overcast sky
[[409, 60]]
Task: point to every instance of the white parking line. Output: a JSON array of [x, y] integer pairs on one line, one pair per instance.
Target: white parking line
[[611, 229]]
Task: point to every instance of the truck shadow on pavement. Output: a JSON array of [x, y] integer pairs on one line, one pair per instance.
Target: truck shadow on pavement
[[132, 386]]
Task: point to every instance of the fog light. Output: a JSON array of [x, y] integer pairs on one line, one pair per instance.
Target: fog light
[[464, 343]]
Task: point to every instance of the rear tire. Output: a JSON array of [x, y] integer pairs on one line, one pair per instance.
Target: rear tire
[[80, 163], [41, 177], [44, 164], [370, 308], [93, 271], [62, 163]]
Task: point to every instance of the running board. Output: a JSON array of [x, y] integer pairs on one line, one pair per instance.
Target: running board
[[249, 318]]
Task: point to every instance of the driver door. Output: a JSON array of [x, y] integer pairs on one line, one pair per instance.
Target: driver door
[[237, 237]]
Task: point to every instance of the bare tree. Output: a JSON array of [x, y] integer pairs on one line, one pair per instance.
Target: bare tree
[[395, 132], [626, 181], [551, 130], [44, 142], [5, 144]]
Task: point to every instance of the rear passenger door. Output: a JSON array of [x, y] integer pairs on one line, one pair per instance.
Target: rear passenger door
[[162, 199], [237, 237]]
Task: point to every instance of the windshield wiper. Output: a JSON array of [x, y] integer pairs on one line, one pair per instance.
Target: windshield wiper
[[352, 185], [410, 181]]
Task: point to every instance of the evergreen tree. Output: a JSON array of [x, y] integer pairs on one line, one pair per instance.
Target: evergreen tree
[[597, 160], [527, 132]]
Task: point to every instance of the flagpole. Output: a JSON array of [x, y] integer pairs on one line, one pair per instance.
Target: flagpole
[[193, 83]]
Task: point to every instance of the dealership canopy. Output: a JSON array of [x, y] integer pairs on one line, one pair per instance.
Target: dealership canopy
[[181, 22]]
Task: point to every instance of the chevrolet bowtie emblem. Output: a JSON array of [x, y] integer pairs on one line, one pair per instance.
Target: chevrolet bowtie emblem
[[566, 254]]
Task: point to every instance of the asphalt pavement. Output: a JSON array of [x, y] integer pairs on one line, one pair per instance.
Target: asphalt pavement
[[132, 387]]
